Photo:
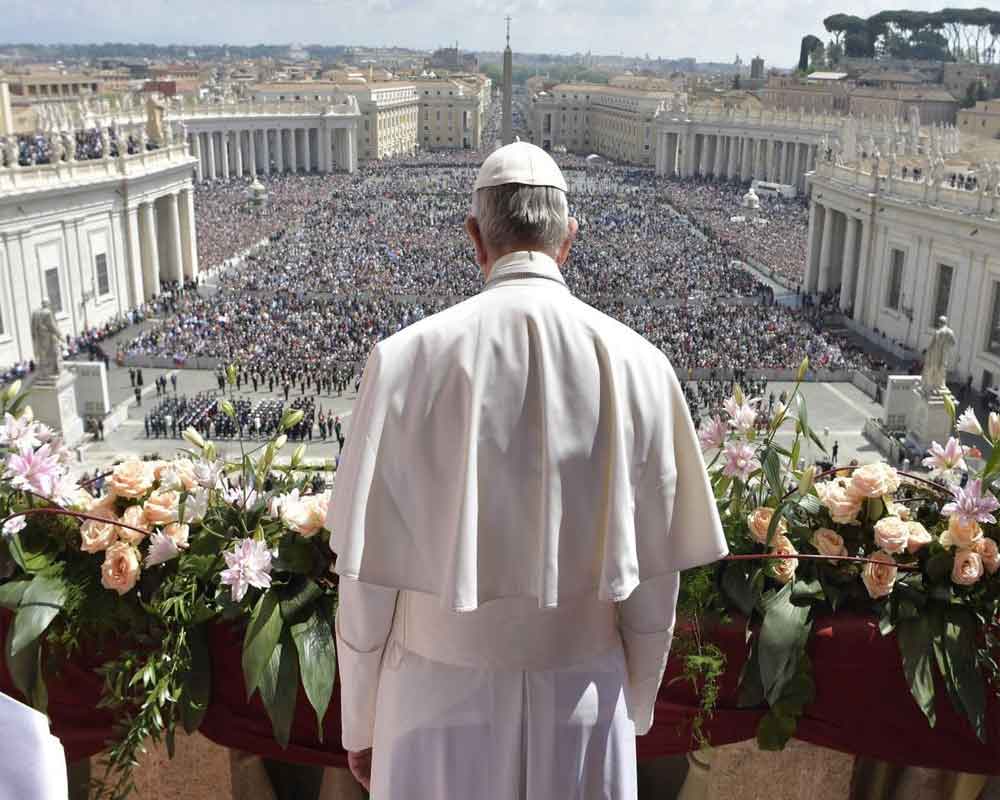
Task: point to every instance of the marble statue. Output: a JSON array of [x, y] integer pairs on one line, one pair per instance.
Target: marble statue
[[914, 120], [69, 145], [105, 144], [751, 201], [56, 150], [876, 162], [13, 151], [46, 339], [934, 377], [937, 171], [893, 165]]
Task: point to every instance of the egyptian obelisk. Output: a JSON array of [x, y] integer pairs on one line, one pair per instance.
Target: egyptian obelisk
[[507, 131]]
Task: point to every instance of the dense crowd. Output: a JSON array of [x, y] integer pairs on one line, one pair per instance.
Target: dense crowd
[[353, 259], [46, 148], [775, 237]]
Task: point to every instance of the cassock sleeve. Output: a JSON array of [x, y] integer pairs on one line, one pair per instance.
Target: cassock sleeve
[[646, 622], [364, 620]]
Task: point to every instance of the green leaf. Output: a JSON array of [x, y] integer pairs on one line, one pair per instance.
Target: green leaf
[[22, 666], [772, 471], [805, 592], [317, 662], [779, 514], [803, 412], [751, 689], [993, 464], [197, 689], [40, 604], [11, 593], [796, 450], [279, 688], [960, 650], [261, 638], [298, 599], [738, 588], [722, 486], [914, 638], [783, 636], [810, 504], [774, 731], [30, 552], [295, 554]]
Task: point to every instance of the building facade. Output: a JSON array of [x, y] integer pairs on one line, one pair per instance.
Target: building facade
[[389, 110], [901, 253], [94, 238], [983, 120], [611, 121], [452, 113]]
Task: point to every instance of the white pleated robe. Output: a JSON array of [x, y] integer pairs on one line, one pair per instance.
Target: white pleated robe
[[520, 487]]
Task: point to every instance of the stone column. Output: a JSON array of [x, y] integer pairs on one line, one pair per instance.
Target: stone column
[[130, 221], [175, 258], [265, 140], [210, 150], [860, 294], [238, 135], [848, 272], [252, 151], [816, 213], [306, 150], [199, 170], [189, 241], [279, 150], [150, 256], [224, 153], [746, 155], [352, 150], [825, 267], [293, 156]]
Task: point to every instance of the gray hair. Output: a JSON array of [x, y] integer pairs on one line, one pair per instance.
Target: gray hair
[[516, 214]]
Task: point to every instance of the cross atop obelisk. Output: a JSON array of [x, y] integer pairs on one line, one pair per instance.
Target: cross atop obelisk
[[507, 129]]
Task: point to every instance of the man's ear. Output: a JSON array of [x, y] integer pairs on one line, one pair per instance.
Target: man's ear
[[472, 228], [567, 245]]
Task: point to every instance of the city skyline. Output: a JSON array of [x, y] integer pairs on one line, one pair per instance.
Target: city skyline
[[770, 28]]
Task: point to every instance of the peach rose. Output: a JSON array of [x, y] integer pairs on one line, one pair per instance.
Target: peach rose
[[306, 515], [881, 577], [104, 507], [184, 470], [843, 506], [919, 537], [961, 534], [760, 521], [158, 467], [874, 480], [783, 569], [131, 479], [892, 534], [988, 551], [161, 507], [900, 510], [828, 543], [120, 569], [178, 533], [97, 536], [133, 516], [968, 568]]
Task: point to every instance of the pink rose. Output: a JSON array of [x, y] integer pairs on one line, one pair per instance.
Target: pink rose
[[161, 507], [120, 570], [97, 536], [178, 534], [843, 506], [104, 508], [988, 551], [919, 537], [783, 569], [900, 510], [892, 534], [760, 521], [881, 577], [828, 543], [874, 480], [968, 568], [961, 534], [133, 516], [305, 515], [131, 479]]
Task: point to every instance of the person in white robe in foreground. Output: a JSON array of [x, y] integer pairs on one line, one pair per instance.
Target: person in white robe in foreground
[[521, 485]]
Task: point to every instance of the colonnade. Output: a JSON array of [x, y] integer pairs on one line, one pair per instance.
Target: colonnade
[[735, 155], [839, 242], [160, 243], [245, 152]]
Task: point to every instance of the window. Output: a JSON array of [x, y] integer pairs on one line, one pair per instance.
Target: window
[[53, 290], [895, 280], [993, 334], [942, 294], [101, 267]]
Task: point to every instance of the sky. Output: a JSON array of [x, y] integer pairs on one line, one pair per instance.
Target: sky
[[709, 30]]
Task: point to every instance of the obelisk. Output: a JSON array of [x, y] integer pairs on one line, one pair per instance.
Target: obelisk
[[507, 131]]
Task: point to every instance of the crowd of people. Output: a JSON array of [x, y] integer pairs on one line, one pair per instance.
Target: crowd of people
[[30, 149], [353, 259]]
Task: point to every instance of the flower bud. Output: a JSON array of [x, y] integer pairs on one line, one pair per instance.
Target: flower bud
[[231, 374], [209, 451], [806, 481], [994, 426], [949, 406], [298, 455], [738, 395], [227, 408], [291, 418], [194, 438], [280, 442], [803, 369], [27, 414], [12, 391]]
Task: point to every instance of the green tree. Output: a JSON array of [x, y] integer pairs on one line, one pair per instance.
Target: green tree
[[809, 43]]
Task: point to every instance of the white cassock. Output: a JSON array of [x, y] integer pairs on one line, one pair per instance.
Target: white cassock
[[521, 485], [33, 766]]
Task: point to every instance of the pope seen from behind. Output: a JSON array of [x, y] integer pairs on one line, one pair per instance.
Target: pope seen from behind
[[521, 486]]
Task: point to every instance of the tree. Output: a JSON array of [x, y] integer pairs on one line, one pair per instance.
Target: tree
[[834, 52], [809, 44]]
